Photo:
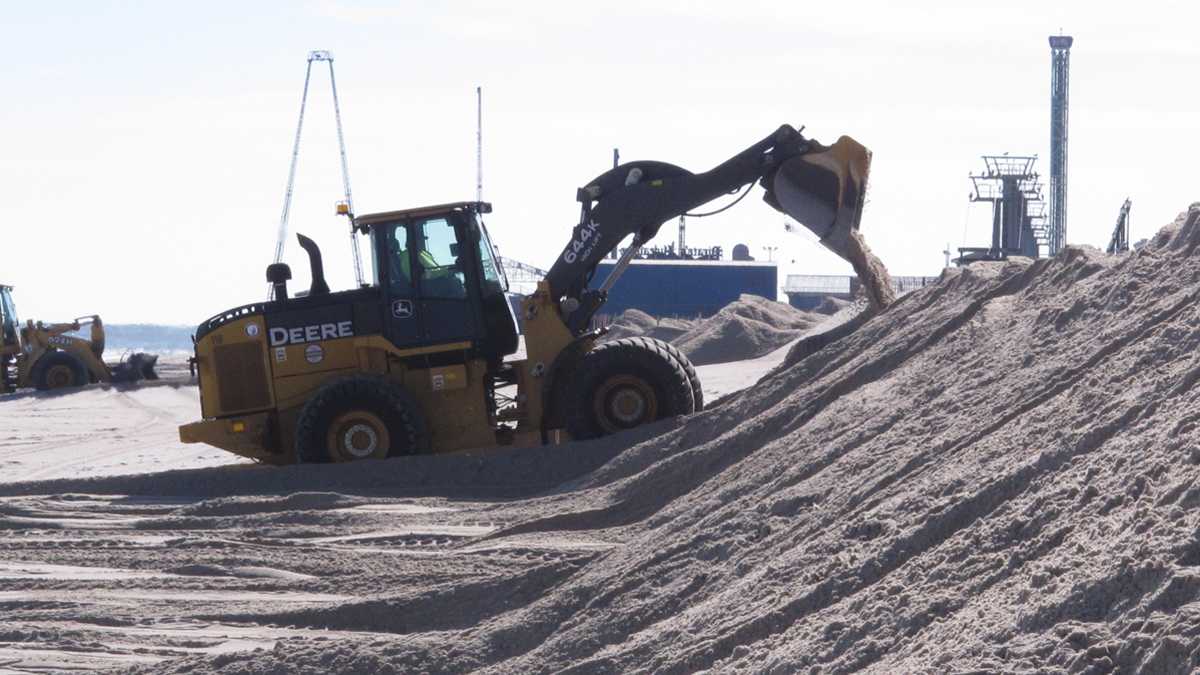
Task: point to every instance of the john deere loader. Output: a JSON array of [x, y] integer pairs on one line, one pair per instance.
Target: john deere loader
[[48, 356], [418, 360]]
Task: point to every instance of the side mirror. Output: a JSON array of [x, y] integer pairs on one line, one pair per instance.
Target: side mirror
[[454, 248]]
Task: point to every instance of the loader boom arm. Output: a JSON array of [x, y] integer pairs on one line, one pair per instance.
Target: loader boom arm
[[821, 187]]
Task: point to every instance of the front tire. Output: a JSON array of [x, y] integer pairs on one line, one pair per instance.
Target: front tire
[[359, 417], [624, 384], [59, 370], [688, 367]]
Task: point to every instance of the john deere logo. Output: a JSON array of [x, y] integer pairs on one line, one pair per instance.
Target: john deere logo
[[402, 309], [324, 331]]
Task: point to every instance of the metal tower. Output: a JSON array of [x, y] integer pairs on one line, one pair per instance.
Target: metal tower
[[478, 144], [1060, 73], [346, 206], [1119, 243], [1018, 223]]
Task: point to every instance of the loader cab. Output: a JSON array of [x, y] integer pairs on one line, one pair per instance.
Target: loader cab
[[441, 279], [10, 329]]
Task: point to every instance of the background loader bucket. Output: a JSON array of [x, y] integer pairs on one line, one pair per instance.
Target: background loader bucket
[[137, 367], [824, 191]]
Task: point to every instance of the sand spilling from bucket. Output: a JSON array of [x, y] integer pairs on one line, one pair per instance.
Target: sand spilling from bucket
[[871, 272]]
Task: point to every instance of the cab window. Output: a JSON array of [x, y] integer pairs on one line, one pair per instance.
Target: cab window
[[398, 260], [493, 277], [8, 318], [437, 253]]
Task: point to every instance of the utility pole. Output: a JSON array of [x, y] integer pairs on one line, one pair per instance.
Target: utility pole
[[479, 144]]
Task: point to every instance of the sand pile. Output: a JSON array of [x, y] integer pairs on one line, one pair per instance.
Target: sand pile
[[831, 306], [744, 329], [636, 323], [1000, 473]]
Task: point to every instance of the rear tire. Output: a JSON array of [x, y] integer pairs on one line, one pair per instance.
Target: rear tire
[[59, 370], [624, 384], [359, 417]]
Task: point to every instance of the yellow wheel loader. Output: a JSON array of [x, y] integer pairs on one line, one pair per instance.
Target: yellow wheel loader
[[419, 360], [48, 356]]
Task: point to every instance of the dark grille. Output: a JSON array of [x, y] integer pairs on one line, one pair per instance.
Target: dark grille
[[241, 377]]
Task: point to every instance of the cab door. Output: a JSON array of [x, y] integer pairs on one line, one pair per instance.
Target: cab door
[[395, 265], [441, 258]]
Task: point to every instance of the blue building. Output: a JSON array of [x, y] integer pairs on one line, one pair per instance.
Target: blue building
[[686, 288]]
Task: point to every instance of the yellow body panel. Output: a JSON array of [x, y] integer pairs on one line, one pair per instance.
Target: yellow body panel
[[457, 418], [314, 357], [247, 436], [452, 399], [546, 336]]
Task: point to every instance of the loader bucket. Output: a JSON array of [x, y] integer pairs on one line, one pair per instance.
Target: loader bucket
[[137, 367], [148, 362], [824, 191]]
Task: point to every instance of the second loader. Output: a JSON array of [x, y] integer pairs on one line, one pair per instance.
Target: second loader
[[49, 356], [420, 360]]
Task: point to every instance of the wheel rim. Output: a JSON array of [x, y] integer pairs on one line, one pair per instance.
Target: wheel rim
[[59, 376], [624, 402], [356, 435]]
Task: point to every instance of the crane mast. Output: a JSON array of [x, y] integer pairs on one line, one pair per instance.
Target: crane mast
[[346, 206]]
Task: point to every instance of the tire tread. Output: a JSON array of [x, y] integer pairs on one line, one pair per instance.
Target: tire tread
[[640, 355], [79, 373], [334, 396]]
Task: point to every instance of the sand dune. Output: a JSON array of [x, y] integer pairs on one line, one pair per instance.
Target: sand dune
[[996, 474]]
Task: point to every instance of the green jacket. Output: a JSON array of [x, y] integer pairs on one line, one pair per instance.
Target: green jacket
[[430, 266]]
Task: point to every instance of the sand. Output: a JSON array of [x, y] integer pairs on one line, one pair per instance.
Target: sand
[[999, 473], [831, 305], [874, 276], [102, 430], [636, 323], [747, 328]]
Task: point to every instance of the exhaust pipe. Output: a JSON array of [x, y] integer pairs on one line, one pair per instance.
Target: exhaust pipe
[[318, 287]]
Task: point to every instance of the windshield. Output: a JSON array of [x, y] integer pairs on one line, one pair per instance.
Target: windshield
[[8, 317], [493, 274]]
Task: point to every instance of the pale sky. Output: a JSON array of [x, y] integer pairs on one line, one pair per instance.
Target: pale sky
[[144, 146]]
